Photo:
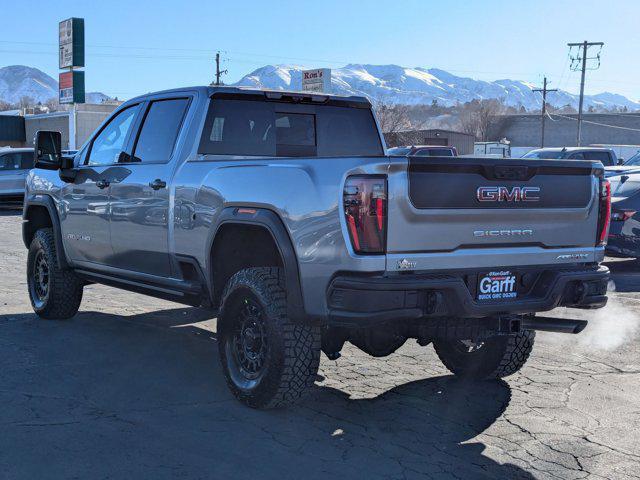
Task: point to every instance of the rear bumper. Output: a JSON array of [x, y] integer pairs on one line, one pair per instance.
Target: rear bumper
[[356, 300]]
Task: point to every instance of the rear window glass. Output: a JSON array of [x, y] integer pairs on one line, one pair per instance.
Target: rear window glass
[[257, 128], [543, 154]]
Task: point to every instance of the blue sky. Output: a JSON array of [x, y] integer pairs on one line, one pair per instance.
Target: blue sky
[[139, 46]]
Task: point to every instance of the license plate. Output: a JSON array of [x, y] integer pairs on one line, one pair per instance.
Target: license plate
[[497, 285]]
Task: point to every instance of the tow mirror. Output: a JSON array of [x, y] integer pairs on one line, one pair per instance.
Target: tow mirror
[[48, 150]]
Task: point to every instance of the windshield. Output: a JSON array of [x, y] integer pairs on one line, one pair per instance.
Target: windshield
[[547, 154], [624, 186], [633, 161], [398, 151]]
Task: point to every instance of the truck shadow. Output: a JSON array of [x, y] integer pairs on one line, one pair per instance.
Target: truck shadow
[[144, 394], [8, 210], [625, 274]]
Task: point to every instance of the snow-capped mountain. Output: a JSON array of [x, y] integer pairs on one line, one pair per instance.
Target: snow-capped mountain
[[18, 81], [413, 86]]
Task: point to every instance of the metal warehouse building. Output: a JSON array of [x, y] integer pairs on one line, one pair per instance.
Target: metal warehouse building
[[88, 117], [12, 131], [463, 142]]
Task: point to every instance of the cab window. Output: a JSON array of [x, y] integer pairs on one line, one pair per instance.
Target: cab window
[[160, 130], [107, 145], [604, 157]]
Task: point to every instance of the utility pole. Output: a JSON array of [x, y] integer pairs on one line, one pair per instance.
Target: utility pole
[[219, 72], [544, 91], [581, 60]]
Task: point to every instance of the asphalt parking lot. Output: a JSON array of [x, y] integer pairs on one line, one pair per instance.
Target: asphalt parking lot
[[131, 388]]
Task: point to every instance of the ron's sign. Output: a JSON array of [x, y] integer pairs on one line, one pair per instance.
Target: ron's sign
[[71, 87], [71, 43], [318, 80]]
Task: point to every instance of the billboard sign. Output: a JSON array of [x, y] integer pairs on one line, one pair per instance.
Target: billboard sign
[[318, 80], [71, 43], [71, 87]]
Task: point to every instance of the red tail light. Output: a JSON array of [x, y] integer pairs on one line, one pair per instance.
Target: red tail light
[[604, 216], [365, 210]]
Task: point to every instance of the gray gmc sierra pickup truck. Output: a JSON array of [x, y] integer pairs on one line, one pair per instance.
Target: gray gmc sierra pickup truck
[[281, 213]]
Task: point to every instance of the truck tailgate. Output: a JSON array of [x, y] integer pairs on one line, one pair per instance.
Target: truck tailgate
[[478, 207]]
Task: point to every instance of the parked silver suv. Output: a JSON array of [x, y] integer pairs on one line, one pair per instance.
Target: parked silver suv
[[15, 164], [280, 212]]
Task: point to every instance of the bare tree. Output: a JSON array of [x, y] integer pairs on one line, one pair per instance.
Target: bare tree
[[25, 102], [476, 116], [52, 104], [392, 118]]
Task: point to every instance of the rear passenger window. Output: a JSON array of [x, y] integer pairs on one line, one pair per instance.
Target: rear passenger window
[[576, 156], [26, 160], [160, 130]]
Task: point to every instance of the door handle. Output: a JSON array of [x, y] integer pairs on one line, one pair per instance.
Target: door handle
[[102, 183], [157, 184]]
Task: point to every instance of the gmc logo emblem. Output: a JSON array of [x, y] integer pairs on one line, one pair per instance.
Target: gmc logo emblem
[[506, 194]]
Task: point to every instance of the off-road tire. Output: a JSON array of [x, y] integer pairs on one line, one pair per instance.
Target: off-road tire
[[64, 288], [292, 354], [498, 357]]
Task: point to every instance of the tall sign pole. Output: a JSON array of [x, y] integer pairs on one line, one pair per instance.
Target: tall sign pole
[[580, 60], [544, 91], [71, 81]]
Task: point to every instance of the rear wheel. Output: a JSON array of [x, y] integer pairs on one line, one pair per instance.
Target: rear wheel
[[54, 293], [495, 357], [268, 360]]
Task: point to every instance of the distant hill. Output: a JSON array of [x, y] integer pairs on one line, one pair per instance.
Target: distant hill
[[18, 81], [415, 86]]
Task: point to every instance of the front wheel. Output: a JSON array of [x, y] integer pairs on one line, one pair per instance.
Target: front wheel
[[268, 360], [495, 357], [54, 293]]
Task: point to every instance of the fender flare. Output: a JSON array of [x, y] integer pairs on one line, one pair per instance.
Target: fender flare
[[47, 202], [269, 220]]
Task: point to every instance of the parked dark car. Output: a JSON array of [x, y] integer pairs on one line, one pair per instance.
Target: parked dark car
[[624, 231], [605, 155], [15, 164], [423, 151]]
